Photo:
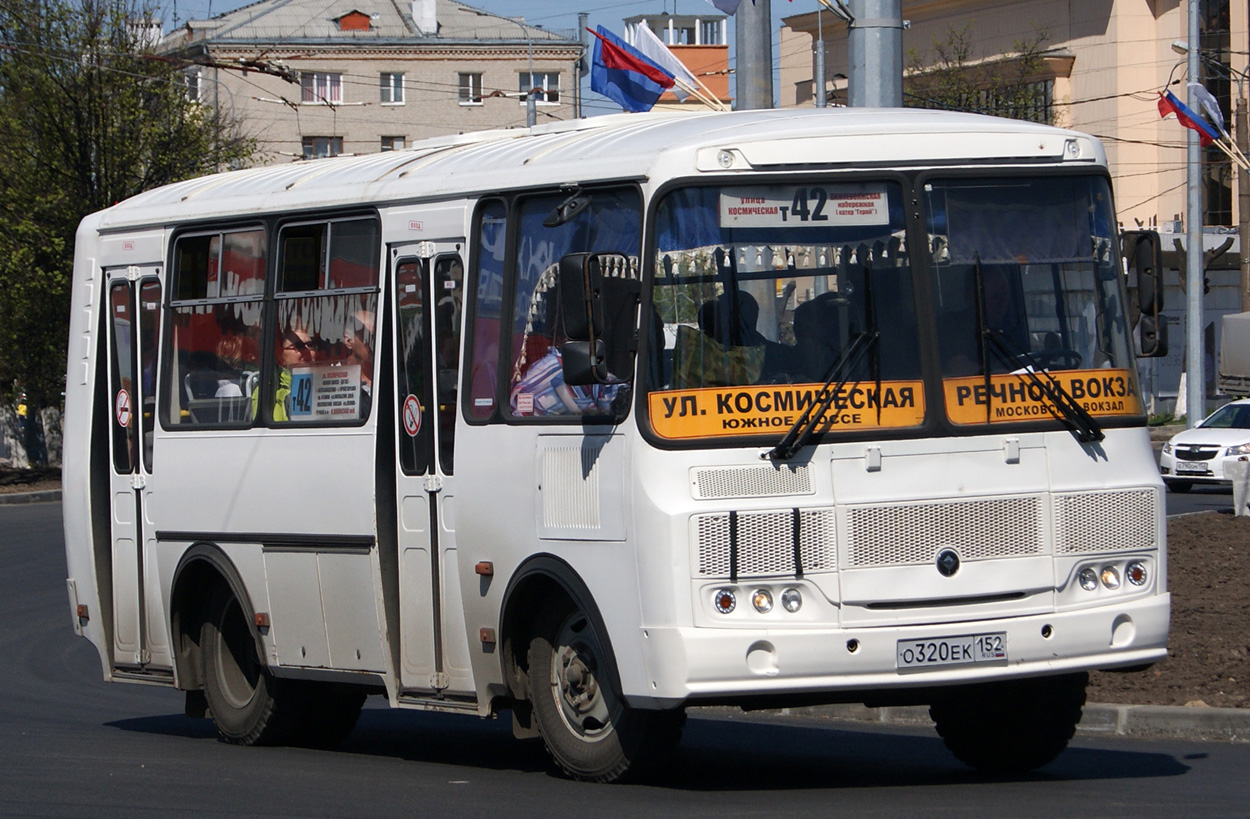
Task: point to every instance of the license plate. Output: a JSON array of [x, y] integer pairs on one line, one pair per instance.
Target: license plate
[[917, 655], [1190, 468]]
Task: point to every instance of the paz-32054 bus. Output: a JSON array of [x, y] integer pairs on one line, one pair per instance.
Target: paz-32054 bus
[[598, 420]]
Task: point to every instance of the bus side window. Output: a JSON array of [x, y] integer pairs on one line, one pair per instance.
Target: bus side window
[[215, 329], [325, 323], [482, 368], [610, 225]]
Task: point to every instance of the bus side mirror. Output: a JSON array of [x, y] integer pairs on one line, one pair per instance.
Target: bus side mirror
[[581, 290], [1143, 256], [584, 363]]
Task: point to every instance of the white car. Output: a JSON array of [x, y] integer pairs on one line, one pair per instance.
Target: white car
[[1198, 455]]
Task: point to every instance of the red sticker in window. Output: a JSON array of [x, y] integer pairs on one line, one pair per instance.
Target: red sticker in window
[[122, 408], [412, 416]]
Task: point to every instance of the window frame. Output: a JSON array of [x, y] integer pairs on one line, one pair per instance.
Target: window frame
[[546, 90], [469, 81], [394, 89], [321, 87], [334, 143]]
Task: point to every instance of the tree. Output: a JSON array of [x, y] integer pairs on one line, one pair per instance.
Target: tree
[[89, 115], [1010, 85]]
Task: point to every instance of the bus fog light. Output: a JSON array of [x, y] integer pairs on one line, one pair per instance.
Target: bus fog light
[[1110, 577], [1136, 573], [1088, 578], [791, 600], [762, 600], [724, 600]]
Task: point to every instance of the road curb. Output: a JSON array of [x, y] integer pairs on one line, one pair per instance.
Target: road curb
[[50, 496], [1100, 719]]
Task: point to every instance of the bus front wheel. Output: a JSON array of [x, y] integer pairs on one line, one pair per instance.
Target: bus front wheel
[[1010, 727], [248, 705], [590, 732]]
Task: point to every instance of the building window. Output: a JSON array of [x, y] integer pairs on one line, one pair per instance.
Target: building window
[[321, 89], [470, 89], [392, 143], [318, 147], [547, 83], [391, 87]]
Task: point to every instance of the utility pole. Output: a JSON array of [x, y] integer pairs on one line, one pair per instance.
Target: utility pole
[[1195, 377], [753, 75], [1240, 124], [875, 53], [818, 87]]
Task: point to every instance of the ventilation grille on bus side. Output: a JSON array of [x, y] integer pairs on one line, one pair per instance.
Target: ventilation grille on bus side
[[751, 482], [1105, 521], [570, 488], [976, 529], [766, 542]]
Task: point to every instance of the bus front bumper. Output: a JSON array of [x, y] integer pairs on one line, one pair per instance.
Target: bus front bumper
[[685, 665]]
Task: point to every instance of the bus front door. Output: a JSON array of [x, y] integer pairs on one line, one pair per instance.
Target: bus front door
[[428, 282], [134, 305]]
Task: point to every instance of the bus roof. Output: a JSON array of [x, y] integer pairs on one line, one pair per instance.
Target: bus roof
[[624, 146]]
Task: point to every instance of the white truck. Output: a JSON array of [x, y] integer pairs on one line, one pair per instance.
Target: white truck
[[1234, 376]]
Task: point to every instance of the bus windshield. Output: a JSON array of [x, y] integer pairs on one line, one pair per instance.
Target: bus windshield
[[769, 298]]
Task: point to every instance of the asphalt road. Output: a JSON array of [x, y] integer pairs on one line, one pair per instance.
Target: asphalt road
[[71, 745]]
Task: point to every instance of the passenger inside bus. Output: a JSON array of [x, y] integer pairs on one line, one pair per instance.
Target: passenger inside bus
[[296, 348]]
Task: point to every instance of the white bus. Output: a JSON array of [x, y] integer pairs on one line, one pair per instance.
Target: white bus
[[603, 419]]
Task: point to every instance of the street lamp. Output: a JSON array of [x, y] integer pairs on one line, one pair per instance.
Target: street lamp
[[531, 102]]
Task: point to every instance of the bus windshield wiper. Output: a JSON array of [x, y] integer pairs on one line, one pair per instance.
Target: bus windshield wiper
[[799, 434], [1061, 403]]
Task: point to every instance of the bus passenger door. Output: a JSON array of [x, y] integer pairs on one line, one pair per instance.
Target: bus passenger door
[[134, 304], [428, 281]]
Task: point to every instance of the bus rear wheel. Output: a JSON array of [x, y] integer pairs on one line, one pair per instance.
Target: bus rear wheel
[[248, 705], [591, 733], [1011, 727]]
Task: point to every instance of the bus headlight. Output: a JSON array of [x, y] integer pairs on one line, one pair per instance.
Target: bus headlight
[[762, 600], [791, 600], [1110, 577], [1136, 573], [1088, 578], [724, 600]]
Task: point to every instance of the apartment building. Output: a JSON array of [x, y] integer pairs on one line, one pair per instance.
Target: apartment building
[[313, 78]]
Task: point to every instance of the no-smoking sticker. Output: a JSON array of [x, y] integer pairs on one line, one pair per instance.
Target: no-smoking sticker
[[412, 416], [122, 408]]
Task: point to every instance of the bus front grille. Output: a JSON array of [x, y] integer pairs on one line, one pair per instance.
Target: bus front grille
[[763, 543], [1093, 522], [898, 535]]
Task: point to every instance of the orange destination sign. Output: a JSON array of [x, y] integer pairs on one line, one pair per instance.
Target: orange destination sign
[[1016, 397], [718, 411]]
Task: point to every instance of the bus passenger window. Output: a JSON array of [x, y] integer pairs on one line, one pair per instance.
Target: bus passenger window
[[215, 329], [325, 323]]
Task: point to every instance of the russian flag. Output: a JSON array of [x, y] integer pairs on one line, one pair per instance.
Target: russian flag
[[624, 74], [1169, 104]]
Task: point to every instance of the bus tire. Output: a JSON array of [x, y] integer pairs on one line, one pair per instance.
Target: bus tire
[[1010, 727], [589, 730], [248, 705]]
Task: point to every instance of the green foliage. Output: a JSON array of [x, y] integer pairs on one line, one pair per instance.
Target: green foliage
[[89, 116], [1011, 85]]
